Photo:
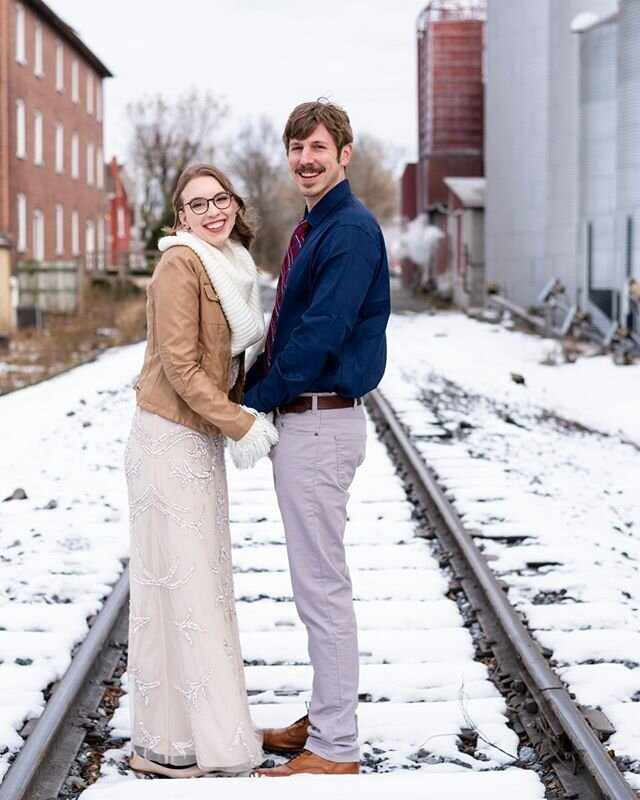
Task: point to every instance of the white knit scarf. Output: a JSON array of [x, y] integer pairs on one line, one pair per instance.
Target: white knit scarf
[[234, 276]]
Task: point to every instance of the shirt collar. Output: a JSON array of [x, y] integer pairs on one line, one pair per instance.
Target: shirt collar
[[328, 203]]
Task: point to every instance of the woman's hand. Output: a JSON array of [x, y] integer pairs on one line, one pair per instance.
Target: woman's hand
[[256, 443]]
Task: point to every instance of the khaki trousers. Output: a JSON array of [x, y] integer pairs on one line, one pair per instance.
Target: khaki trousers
[[314, 464]]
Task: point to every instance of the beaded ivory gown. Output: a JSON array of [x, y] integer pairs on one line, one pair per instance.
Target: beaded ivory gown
[[186, 678]]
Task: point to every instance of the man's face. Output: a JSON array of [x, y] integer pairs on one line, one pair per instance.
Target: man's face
[[316, 165]]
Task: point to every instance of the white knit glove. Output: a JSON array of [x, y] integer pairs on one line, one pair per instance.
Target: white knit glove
[[256, 442]]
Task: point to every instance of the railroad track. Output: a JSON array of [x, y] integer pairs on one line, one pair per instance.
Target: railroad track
[[43, 763], [543, 705], [540, 705]]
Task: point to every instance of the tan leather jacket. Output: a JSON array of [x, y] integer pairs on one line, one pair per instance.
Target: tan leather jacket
[[185, 375]]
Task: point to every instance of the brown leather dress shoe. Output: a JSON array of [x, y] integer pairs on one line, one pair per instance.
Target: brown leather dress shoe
[[310, 764], [286, 740]]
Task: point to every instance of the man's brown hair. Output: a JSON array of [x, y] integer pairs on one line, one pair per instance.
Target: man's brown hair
[[307, 116]]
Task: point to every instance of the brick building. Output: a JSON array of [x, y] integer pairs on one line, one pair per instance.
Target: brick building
[[122, 229], [52, 178]]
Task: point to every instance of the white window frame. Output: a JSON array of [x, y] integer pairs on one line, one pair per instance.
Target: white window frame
[[38, 235], [120, 232], [21, 41], [99, 169], [21, 243], [90, 164], [99, 100], [89, 92], [38, 138], [75, 156], [59, 148], [90, 244], [100, 242], [75, 233], [59, 229], [37, 49], [21, 129], [59, 66], [75, 81]]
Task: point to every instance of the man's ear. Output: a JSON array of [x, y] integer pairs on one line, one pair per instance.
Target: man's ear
[[345, 155]]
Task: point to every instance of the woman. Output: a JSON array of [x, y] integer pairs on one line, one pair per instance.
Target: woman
[[189, 708]]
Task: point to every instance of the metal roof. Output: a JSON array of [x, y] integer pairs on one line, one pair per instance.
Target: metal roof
[[470, 191], [587, 21]]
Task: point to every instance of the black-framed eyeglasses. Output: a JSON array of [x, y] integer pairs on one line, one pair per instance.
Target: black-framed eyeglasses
[[200, 205]]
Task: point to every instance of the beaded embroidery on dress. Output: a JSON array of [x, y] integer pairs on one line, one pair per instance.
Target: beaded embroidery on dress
[[188, 697]]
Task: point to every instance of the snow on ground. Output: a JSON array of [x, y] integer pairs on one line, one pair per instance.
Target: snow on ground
[[480, 358], [61, 549], [554, 507]]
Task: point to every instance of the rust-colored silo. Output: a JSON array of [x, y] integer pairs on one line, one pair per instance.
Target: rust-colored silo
[[450, 102]]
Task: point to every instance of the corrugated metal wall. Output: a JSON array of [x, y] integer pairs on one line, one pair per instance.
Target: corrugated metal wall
[[628, 172], [597, 195], [531, 144], [517, 40]]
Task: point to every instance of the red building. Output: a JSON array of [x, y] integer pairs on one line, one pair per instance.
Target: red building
[[450, 103], [119, 218]]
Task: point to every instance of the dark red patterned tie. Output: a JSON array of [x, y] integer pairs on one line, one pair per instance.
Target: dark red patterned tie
[[302, 228]]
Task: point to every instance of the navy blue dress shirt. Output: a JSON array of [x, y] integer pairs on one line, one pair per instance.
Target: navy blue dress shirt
[[331, 328]]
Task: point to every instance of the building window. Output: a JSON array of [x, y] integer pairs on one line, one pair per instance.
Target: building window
[[90, 163], [59, 147], [89, 93], [120, 218], [38, 235], [101, 239], [21, 50], [99, 169], [37, 50], [59, 66], [99, 100], [75, 233], [75, 81], [90, 244], [38, 143], [59, 229], [75, 156], [21, 130], [21, 243]]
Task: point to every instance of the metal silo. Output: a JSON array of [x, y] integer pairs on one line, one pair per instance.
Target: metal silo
[[599, 281], [628, 168]]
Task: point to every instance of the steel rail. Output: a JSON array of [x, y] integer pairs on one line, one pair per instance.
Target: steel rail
[[605, 775], [22, 776]]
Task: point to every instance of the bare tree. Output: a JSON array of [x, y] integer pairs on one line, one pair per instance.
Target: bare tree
[[258, 163], [371, 175], [168, 135]]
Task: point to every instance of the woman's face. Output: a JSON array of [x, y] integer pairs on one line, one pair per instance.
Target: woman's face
[[215, 224]]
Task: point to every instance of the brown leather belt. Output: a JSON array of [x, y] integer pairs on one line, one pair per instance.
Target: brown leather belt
[[305, 403]]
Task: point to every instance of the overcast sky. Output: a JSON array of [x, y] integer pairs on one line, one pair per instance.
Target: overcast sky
[[261, 56]]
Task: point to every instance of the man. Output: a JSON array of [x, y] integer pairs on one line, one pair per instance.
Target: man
[[325, 349]]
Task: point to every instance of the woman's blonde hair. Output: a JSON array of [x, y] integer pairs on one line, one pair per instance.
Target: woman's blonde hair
[[243, 230]]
